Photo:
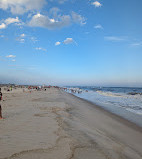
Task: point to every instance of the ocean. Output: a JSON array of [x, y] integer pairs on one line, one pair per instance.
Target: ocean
[[123, 101]]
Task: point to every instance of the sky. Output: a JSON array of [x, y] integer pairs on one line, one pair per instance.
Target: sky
[[71, 42]]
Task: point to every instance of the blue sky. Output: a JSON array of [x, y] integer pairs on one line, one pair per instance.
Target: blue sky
[[71, 42]]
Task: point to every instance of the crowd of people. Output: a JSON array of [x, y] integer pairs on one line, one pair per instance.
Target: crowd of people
[[38, 88], [29, 88]]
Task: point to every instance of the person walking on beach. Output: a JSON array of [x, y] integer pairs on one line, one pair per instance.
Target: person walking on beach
[[0, 104]]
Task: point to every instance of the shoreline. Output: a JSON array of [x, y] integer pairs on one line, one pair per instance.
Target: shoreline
[[55, 124], [116, 116], [113, 126]]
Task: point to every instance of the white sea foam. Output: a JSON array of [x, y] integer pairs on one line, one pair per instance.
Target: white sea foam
[[108, 99], [121, 103], [109, 94]]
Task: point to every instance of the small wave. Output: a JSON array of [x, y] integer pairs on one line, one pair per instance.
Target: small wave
[[109, 94]]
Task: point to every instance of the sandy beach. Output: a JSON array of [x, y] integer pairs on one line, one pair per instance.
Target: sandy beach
[[54, 124]]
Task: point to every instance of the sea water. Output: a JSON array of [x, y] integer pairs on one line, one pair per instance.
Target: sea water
[[123, 101]]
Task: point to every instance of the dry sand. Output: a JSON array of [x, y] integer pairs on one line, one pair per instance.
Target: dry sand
[[53, 124]]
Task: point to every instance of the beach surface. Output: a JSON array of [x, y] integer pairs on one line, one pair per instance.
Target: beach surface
[[54, 124]]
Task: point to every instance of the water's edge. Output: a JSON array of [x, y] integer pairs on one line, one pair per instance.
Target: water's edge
[[125, 114]]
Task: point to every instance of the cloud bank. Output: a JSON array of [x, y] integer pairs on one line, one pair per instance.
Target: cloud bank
[[21, 6], [57, 21]]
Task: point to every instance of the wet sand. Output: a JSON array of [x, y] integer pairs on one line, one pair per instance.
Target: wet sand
[[54, 124]]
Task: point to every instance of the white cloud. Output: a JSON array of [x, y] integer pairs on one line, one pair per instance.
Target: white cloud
[[68, 41], [22, 35], [33, 39], [11, 20], [59, 1], [99, 26], [57, 21], [13, 60], [1, 36], [78, 18], [96, 4], [57, 43], [40, 20], [40, 48], [54, 11], [10, 56], [137, 44], [2, 26], [21, 6], [114, 38], [21, 40]]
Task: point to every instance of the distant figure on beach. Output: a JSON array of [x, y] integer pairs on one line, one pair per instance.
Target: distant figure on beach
[[0, 95], [0, 104]]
